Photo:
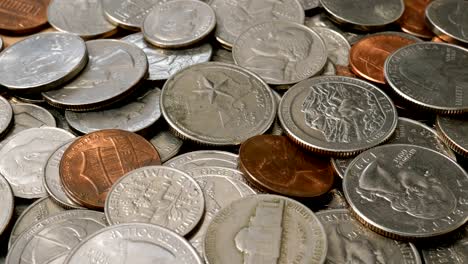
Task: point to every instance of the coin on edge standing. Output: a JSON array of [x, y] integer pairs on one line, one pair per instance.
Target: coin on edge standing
[[167, 144], [454, 132], [448, 20], [6, 196], [203, 158]]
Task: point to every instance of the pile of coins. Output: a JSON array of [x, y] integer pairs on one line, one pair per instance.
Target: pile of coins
[[233, 131]]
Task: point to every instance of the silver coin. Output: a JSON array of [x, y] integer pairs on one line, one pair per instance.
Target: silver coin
[[430, 75], [234, 104], [448, 19], [203, 158], [30, 98], [329, 69], [219, 191], [337, 45], [276, 128], [84, 18], [6, 211], [403, 191], [134, 243], [156, 195], [350, 242], [265, 229], [135, 116], [281, 52], [42, 62], [1, 43], [167, 144], [364, 14], [59, 116], [128, 14], [454, 132], [178, 23], [235, 17], [23, 158], [36, 212], [164, 63], [222, 55], [51, 240], [454, 252], [6, 117], [310, 4], [336, 200], [114, 70], [321, 20], [335, 115]]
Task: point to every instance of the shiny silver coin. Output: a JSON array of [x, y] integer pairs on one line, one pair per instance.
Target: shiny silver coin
[[51, 240], [448, 19], [339, 116], [157, 195], [454, 252], [430, 75], [42, 62], [203, 158], [24, 156], [135, 116], [128, 14], [164, 63], [84, 18], [247, 227], [454, 132], [235, 17], [364, 14], [337, 45], [6, 117], [281, 52], [310, 4], [178, 23], [1, 43], [6, 211], [134, 243], [167, 144], [222, 55], [350, 242], [403, 191], [322, 20], [233, 103], [114, 70]]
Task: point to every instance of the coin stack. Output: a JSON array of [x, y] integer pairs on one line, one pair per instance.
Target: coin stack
[[233, 131]]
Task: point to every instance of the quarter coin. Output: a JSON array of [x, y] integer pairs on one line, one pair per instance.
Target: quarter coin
[[6, 196], [23, 17], [128, 14], [454, 132], [448, 19]]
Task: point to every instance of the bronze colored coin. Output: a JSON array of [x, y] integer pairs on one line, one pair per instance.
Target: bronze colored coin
[[413, 20], [278, 165], [344, 71], [22, 16], [95, 161]]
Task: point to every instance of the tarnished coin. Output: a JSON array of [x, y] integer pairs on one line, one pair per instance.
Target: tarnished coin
[[167, 144], [265, 228], [22, 17], [51, 240], [235, 17], [23, 158], [113, 71], [134, 243], [163, 63], [448, 252], [178, 23], [350, 242], [338, 116], [157, 195], [404, 191], [42, 62], [448, 19], [128, 14], [233, 104], [203, 158], [413, 19], [281, 52], [135, 116], [337, 45], [84, 18], [6, 211], [6, 117], [93, 162], [454, 132]]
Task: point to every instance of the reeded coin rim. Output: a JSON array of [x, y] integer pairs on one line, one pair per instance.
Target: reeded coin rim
[[439, 30], [454, 145]]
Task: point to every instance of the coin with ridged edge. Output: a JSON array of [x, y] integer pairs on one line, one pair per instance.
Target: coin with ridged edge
[[454, 132], [448, 20], [453, 250]]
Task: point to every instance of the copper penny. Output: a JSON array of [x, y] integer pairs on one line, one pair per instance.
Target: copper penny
[[413, 20], [276, 164], [344, 71], [367, 56], [95, 161], [22, 16]]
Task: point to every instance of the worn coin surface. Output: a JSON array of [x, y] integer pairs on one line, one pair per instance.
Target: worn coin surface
[[204, 158], [350, 242], [337, 45], [6, 196], [448, 19], [339, 116], [167, 144], [22, 17], [23, 157], [403, 191], [454, 132], [281, 52], [42, 62], [128, 14], [448, 252], [310, 4], [134, 243], [247, 227], [235, 104], [6, 117], [113, 71], [413, 19]]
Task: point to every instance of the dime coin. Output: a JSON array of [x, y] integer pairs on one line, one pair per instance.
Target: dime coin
[[337, 45], [430, 75], [349, 242], [6, 196], [235, 17], [93, 162], [203, 158], [134, 243], [22, 17], [448, 19], [337, 116], [403, 192], [413, 21], [280, 166], [234, 104], [281, 52], [6, 118], [83, 17], [51, 60], [50, 240], [448, 252], [178, 23], [164, 63], [246, 227], [23, 157], [157, 195], [114, 70], [128, 14], [166, 144], [134, 116], [454, 132]]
